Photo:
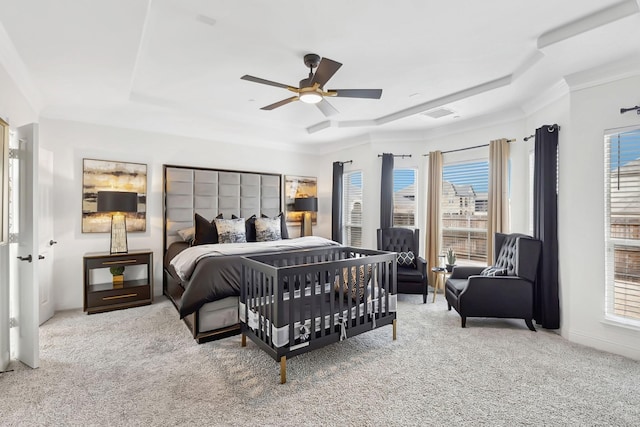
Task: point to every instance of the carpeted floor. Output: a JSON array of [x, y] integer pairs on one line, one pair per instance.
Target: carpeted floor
[[140, 367]]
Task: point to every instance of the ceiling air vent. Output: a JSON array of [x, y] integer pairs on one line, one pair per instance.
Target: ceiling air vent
[[437, 113]]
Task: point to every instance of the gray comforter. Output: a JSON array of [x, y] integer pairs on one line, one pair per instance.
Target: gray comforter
[[212, 272]]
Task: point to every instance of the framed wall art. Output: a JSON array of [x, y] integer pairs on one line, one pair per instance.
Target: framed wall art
[[299, 186], [107, 175]]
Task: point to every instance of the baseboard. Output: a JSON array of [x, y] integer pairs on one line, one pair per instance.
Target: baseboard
[[604, 345]]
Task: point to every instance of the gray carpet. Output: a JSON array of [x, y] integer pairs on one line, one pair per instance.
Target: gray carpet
[[140, 367]]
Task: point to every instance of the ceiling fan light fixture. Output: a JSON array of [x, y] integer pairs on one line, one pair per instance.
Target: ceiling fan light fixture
[[310, 97]]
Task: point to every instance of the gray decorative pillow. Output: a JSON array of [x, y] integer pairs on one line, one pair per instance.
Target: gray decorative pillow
[[188, 234], [231, 230], [493, 271], [406, 259], [268, 229]]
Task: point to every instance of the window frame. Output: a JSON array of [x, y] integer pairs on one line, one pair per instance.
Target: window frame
[[347, 218], [414, 224], [481, 258], [610, 242]]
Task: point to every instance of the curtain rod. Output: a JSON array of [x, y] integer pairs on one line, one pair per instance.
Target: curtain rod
[[398, 155], [626, 110], [554, 127], [345, 162], [469, 148]]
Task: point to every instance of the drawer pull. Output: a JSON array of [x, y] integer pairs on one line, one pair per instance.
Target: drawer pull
[[119, 297], [125, 261]]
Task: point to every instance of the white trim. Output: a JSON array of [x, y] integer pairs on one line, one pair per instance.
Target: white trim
[[549, 96], [588, 23], [625, 68], [604, 345]]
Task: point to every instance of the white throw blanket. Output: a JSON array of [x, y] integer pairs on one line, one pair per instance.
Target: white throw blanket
[[185, 262]]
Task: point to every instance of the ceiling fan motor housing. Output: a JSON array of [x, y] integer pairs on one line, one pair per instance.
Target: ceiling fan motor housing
[[311, 60]]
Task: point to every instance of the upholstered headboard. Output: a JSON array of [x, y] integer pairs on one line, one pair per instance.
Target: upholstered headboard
[[209, 192]]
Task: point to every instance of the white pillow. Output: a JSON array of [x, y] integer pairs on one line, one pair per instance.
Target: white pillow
[[187, 234], [231, 230], [268, 229]]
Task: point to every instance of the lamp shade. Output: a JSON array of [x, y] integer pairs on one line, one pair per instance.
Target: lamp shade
[[117, 201], [306, 204]]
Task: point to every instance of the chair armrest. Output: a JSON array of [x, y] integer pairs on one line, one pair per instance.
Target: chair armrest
[[421, 266], [463, 272]]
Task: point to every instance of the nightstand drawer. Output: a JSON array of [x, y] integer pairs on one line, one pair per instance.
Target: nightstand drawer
[[119, 296]]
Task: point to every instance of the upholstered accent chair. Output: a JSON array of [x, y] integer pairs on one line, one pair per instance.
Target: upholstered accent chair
[[412, 269], [504, 290]]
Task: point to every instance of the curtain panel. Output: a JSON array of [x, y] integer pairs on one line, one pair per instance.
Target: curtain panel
[[498, 209], [546, 310], [386, 191], [336, 202], [434, 213]]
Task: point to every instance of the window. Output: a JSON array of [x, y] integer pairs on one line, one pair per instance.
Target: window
[[352, 208], [404, 197], [622, 226], [464, 207]]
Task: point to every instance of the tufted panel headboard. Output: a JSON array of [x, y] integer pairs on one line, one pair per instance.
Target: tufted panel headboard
[[209, 192]]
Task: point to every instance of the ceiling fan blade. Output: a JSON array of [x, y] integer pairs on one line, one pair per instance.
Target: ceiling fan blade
[[264, 82], [326, 69], [326, 108], [357, 93], [280, 103]]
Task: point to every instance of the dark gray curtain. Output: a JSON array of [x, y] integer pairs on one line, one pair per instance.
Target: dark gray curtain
[[386, 191], [336, 202], [546, 310]]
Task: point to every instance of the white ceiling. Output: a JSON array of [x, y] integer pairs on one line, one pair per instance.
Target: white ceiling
[[175, 65]]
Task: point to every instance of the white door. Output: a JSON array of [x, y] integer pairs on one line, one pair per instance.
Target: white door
[[27, 308], [4, 249], [45, 230]]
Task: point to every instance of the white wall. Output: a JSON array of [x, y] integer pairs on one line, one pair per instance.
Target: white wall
[[70, 142], [581, 220]]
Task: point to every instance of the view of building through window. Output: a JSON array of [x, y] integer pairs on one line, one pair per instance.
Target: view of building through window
[[404, 197], [464, 211], [352, 208], [622, 225]]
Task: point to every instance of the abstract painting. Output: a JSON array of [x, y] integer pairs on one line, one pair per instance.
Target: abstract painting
[[299, 186], [106, 175]]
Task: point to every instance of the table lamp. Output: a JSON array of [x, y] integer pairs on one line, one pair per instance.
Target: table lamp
[[305, 205], [117, 203]]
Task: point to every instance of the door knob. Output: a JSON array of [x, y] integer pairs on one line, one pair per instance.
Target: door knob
[[25, 258], [52, 242], [40, 256]]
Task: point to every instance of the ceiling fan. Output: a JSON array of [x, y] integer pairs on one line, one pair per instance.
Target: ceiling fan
[[311, 90]]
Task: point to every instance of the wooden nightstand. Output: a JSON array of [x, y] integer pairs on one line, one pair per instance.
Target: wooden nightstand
[[100, 297]]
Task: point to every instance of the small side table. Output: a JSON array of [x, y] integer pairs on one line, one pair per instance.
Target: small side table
[[441, 278]]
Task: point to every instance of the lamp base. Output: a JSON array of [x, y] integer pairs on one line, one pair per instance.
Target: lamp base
[[305, 225], [119, 234]]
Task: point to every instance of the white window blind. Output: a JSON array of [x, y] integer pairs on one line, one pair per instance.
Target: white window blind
[[464, 206], [622, 226], [352, 208], [404, 197]]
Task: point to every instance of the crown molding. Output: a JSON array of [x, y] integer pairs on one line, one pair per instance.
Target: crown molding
[[17, 70], [588, 23], [610, 72], [550, 95]]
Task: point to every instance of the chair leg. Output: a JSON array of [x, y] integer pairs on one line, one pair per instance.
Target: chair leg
[[449, 306], [424, 295], [464, 321], [530, 324]]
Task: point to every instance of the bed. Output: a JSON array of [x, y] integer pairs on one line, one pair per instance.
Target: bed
[[206, 294], [294, 302]]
